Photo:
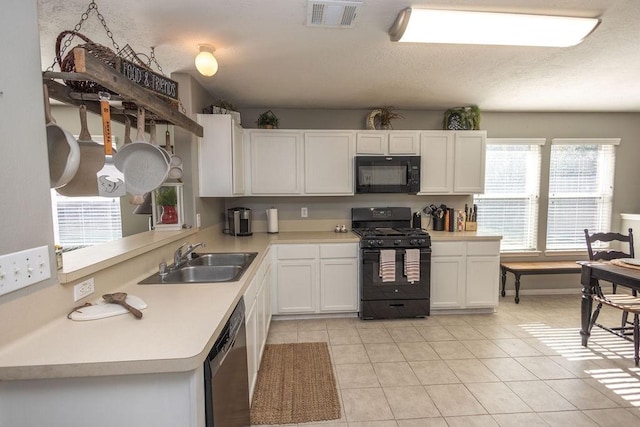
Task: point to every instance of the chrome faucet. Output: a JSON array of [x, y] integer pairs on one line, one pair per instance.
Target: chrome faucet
[[179, 258]]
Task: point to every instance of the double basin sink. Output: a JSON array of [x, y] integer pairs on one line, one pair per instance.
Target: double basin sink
[[206, 268]]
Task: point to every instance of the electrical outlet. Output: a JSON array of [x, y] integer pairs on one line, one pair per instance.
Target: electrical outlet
[[24, 268], [198, 220], [83, 289], [304, 212]]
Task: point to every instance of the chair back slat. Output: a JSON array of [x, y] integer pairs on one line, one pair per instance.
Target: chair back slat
[[606, 254]]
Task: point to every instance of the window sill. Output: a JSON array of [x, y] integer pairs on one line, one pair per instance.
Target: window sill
[[519, 254], [86, 261], [568, 253]]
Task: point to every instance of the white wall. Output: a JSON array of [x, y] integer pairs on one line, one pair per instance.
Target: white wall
[[24, 171]]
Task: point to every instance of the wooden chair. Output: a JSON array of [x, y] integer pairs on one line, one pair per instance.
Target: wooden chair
[[628, 304]]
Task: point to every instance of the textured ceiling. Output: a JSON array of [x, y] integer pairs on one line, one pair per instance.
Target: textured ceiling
[[269, 57]]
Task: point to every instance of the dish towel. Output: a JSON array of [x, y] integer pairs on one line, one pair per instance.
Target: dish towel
[[388, 265], [412, 265]]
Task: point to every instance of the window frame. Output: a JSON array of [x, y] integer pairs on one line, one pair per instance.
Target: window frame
[[606, 198], [533, 198]]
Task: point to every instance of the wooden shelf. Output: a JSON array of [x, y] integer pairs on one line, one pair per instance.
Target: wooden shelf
[[91, 68]]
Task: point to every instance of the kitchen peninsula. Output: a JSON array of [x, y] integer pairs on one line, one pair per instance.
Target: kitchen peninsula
[[122, 359]]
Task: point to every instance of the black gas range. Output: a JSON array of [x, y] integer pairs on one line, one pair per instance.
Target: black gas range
[[395, 263]]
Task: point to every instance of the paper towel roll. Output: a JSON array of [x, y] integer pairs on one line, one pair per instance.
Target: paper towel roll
[[272, 220]]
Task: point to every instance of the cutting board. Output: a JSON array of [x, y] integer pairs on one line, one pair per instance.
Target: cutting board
[[102, 309]]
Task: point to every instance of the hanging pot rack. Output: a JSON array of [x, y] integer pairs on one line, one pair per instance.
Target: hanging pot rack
[[87, 67], [90, 68]]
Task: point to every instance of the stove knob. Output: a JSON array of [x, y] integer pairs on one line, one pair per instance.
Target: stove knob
[[380, 242], [397, 242], [413, 242]]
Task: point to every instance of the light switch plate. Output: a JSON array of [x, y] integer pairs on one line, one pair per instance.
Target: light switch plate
[[24, 268]]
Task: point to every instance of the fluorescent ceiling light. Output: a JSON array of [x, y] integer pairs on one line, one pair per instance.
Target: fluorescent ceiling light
[[460, 27]]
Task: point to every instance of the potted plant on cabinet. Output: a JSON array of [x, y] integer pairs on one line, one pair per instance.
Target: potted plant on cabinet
[[267, 120], [381, 117]]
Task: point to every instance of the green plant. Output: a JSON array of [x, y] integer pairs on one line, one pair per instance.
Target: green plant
[[467, 118], [267, 119], [166, 196]]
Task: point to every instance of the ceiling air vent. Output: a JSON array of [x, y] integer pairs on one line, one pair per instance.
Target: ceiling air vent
[[332, 14]]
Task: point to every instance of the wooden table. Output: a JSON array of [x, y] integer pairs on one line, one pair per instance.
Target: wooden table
[[593, 271], [535, 267]]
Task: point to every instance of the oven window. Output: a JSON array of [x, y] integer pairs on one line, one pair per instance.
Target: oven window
[[382, 175]]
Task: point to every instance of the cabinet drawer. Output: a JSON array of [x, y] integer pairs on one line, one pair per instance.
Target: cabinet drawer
[[339, 250], [483, 248], [297, 251], [447, 248]]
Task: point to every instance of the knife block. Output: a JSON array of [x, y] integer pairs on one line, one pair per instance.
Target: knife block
[[471, 226]]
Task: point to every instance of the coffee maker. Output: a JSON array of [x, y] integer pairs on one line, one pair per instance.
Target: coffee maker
[[239, 221]]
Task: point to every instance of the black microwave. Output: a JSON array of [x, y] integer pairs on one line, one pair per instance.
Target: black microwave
[[387, 174]]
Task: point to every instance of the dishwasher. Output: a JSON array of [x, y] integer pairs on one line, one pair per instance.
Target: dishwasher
[[226, 378]]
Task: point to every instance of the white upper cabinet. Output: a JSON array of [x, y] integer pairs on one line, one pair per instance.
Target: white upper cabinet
[[452, 162], [220, 156], [392, 142], [276, 162], [436, 162], [328, 163], [371, 143], [469, 158], [403, 142]]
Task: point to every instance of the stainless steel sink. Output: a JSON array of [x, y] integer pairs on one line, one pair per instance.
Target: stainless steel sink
[[206, 268], [223, 259]]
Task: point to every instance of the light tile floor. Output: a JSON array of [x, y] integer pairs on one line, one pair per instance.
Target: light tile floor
[[523, 365]]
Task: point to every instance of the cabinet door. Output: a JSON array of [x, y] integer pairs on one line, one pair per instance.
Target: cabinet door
[[263, 303], [469, 162], [339, 284], [371, 143], [238, 160], [328, 163], [436, 162], [218, 155], [275, 162], [403, 142], [297, 286], [447, 282], [483, 274], [253, 361]]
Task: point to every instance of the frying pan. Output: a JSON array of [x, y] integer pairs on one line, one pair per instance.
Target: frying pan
[[134, 199], [91, 161], [64, 153], [144, 165]]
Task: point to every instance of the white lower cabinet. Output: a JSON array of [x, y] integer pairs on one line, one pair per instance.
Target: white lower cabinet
[[482, 274], [465, 274], [447, 282], [317, 278], [257, 299]]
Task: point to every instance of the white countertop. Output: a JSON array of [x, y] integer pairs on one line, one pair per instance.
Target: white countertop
[[176, 332]]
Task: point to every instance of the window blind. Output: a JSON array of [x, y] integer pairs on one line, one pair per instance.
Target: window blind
[[581, 176], [85, 221], [509, 205]]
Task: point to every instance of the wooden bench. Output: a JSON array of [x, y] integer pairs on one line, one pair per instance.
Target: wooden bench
[[543, 267]]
